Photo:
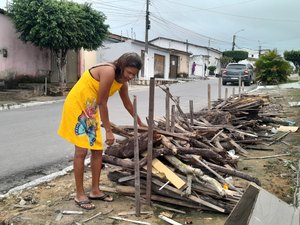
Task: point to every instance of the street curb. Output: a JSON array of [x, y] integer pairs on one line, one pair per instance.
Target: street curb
[[13, 105]]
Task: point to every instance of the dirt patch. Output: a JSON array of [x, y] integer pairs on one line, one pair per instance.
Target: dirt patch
[[43, 204]]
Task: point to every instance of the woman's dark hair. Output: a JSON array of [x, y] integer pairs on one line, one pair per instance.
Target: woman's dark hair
[[130, 59]]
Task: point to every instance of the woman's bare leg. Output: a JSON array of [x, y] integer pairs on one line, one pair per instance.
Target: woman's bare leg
[[96, 166], [79, 157]]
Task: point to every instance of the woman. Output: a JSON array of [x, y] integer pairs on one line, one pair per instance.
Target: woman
[[80, 122]]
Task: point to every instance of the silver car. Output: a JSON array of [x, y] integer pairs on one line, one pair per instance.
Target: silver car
[[233, 71]]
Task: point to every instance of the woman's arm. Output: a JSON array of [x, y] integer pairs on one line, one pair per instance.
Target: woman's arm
[[106, 78], [128, 104]]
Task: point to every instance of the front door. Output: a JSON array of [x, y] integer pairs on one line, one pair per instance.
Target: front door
[[159, 66], [173, 66]]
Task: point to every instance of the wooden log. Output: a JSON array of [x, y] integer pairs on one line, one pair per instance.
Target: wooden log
[[126, 150], [126, 163], [237, 146], [120, 131], [181, 136], [166, 142], [186, 169], [216, 174], [233, 172]]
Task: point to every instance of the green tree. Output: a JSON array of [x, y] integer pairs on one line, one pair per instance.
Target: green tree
[[271, 68], [224, 60], [236, 55], [293, 56], [59, 25]]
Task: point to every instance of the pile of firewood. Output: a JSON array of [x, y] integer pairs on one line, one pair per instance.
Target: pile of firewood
[[195, 158]]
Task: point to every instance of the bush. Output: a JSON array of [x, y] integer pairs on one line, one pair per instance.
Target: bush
[[211, 70], [271, 68]]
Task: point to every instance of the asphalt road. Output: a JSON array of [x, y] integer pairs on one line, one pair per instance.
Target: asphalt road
[[30, 147]]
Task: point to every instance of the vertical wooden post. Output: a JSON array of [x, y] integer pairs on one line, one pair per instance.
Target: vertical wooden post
[[173, 118], [226, 93], [150, 141], [178, 103], [220, 87], [208, 97], [137, 181], [46, 86], [233, 91], [243, 87], [240, 84], [167, 110], [191, 113]]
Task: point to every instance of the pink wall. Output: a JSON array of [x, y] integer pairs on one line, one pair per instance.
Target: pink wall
[[21, 58]]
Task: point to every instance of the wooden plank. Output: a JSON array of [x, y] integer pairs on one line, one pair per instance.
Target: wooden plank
[[170, 175]]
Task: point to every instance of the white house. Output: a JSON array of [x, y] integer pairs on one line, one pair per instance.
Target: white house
[[161, 62], [201, 55]]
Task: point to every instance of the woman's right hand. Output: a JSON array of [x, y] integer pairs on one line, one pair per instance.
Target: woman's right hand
[[110, 138]]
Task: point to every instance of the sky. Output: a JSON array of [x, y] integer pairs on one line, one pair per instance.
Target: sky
[[271, 24]]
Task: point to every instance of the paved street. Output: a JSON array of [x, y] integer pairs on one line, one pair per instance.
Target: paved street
[[30, 147]]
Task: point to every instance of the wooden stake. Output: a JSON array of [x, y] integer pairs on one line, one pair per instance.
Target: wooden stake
[[220, 87], [136, 162], [173, 118], [208, 97], [167, 110], [191, 113], [150, 140], [240, 84], [226, 93]]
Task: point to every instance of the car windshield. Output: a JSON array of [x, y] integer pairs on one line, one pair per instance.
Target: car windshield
[[236, 66]]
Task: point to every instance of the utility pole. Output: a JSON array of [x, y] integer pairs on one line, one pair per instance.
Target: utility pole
[[233, 42], [234, 37], [147, 27], [259, 49]]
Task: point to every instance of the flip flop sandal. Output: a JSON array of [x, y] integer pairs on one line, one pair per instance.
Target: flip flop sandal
[[105, 198], [87, 204]]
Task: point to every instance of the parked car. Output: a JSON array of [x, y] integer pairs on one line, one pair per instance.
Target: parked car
[[233, 71]]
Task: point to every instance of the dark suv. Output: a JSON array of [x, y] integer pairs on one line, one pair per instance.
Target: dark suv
[[233, 70]]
